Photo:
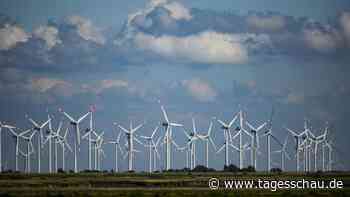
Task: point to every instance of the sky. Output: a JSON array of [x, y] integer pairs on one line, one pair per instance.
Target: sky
[[200, 59]]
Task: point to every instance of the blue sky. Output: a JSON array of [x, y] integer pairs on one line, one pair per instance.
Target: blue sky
[[199, 58]]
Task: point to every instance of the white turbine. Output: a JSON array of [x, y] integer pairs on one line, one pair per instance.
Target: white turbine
[[39, 128], [298, 138], [207, 138], [254, 142], [168, 137], [16, 137], [3, 126], [130, 137], [268, 134], [192, 138], [227, 135], [283, 153], [116, 147], [150, 145], [75, 124], [30, 150], [239, 133]]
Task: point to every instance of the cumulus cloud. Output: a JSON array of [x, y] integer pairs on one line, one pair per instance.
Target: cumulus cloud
[[322, 40], [10, 35], [86, 29], [200, 90], [207, 47], [45, 84], [178, 11], [49, 34], [267, 23], [103, 85]]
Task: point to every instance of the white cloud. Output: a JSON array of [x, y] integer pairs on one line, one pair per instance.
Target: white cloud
[[44, 84], [10, 35], [323, 41], [103, 85], [269, 23], [178, 11], [200, 90], [48, 34], [86, 29], [345, 23], [206, 47]]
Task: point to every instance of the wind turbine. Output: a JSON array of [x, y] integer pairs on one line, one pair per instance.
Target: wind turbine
[[156, 153], [239, 133], [297, 138], [318, 140], [75, 123], [56, 137], [89, 132], [192, 138], [283, 153], [150, 145], [99, 150], [268, 134], [130, 138], [227, 133], [168, 137], [30, 150], [207, 138], [39, 128], [2, 125], [117, 146], [16, 137], [254, 142], [63, 141]]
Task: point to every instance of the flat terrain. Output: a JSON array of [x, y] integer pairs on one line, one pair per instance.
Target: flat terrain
[[160, 184]]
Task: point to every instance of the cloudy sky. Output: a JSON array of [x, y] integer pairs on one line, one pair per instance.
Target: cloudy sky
[[199, 58]]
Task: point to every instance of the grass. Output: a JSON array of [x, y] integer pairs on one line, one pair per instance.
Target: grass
[[161, 184]]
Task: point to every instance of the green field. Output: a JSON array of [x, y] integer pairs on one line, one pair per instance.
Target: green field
[[161, 184]]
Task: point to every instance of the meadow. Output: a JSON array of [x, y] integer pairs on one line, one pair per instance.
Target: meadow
[[158, 184]]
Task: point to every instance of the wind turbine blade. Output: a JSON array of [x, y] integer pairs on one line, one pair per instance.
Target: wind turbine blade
[[210, 128], [290, 131], [138, 141], [222, 123], [250, 126], [173, 142], [154, 132], [246, 132], [220, 149], [125, 130], [68, 116], [234, 147], [34, 123], [137, 128], [25, 132], [261, 126], [232, 121], [194, 126], [277, 140], [8, 126], [175, 124], [83, 117], [212, 143], [68, 146], [164, 114], [118, 138], [85, 135], [287, 155], [187, 135]]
